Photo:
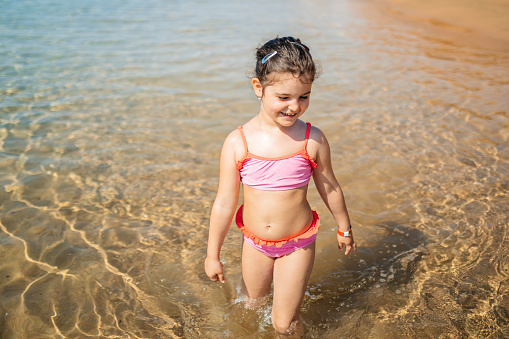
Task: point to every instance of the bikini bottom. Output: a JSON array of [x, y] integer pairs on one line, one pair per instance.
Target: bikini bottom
[[279, 248]]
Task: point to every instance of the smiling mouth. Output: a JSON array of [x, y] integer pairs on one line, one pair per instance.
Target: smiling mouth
[[289, 114]]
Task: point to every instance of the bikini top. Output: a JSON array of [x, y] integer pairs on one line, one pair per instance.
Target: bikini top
[[276, 174]]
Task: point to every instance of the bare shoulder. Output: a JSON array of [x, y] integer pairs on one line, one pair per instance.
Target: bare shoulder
[[317, 142], [316, 134], [233, 137], [234, 144]]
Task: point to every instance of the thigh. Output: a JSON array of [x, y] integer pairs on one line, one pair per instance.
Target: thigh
[[257, 270], [291, 275]]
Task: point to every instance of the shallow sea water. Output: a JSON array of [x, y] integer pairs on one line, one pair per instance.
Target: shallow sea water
[[112, 117]]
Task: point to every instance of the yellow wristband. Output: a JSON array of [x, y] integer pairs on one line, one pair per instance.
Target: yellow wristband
[[347, 233]]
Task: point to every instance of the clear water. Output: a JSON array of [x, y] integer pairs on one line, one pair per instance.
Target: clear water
[[112, 116]]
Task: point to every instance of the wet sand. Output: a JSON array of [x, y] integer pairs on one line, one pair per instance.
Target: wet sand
[[482, 23]]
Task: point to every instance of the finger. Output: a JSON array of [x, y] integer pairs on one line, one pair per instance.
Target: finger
[[221, 277], [347, 250]]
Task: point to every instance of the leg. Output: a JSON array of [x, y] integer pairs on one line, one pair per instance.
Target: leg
[[257, 270], [291, 275]]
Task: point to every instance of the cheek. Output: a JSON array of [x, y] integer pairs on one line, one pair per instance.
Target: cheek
[[278, 104]]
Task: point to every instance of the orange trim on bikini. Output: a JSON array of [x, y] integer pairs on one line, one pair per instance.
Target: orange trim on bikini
[[310, 231]]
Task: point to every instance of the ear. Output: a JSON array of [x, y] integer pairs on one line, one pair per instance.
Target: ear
[[257, 87]]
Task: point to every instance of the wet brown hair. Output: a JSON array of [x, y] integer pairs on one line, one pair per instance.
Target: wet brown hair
[[291, 56]]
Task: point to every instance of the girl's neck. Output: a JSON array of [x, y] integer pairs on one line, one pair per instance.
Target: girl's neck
[[265, 123]]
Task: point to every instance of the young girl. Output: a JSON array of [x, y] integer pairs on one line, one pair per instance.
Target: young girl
[[274, 156]]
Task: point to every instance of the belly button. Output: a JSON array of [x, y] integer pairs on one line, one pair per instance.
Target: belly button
[[268, 227]]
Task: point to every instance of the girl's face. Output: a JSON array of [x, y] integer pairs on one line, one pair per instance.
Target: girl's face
[[285, 100]]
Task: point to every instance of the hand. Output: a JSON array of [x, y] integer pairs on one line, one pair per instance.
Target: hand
[[214, 269], [348, 243]]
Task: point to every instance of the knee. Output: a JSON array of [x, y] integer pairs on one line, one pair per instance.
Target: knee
[[284, 326], [280, 326]]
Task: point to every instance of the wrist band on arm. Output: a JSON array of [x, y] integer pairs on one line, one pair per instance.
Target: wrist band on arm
[[347, 233]]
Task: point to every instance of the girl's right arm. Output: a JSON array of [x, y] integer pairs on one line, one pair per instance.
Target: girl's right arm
[[223, 208]]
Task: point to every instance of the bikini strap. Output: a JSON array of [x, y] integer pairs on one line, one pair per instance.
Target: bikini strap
[[305, 154], [243, 138], [307, 135], [241, 162]]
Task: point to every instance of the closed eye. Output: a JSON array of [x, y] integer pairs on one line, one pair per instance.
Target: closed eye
[[304, 97]]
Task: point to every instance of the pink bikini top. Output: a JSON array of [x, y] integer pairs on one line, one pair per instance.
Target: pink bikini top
[[276, 174]]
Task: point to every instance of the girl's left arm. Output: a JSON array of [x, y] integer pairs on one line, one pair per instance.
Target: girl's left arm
[[330, 190]]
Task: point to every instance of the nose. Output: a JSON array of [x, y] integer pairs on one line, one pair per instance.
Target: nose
[[294, 105]]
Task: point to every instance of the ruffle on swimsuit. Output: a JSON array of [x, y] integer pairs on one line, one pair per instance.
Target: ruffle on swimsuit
[[307, 233]]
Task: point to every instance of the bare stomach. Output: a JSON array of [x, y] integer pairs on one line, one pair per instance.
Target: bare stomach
[[274, 215]]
